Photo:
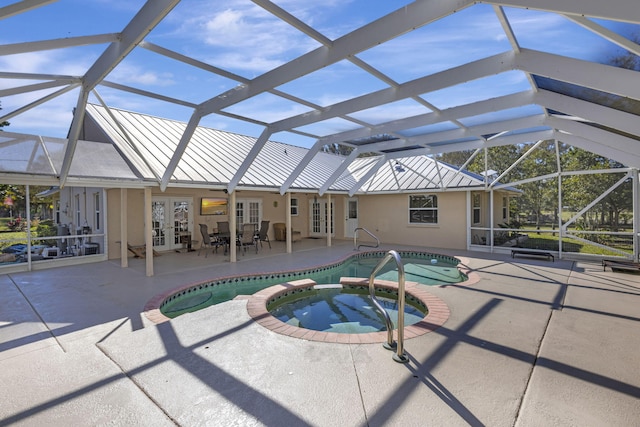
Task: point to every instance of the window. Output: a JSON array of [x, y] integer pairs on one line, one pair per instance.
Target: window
[[476, 208], [96, 207], [505, 208], [294, 207], [423, 209]]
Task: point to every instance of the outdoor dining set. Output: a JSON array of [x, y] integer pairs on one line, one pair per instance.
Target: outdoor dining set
[[246, 236]]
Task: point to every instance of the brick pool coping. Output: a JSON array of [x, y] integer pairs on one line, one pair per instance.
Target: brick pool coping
[[438, 312]]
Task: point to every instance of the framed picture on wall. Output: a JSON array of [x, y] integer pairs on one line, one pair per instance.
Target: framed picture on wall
[[213, 206]]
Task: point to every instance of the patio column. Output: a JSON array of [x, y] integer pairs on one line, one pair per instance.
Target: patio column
[[330, 220], [124, 257], [148, 238], [28, 204], [491, 218], [233, 228], [288, 224], [560, 232]]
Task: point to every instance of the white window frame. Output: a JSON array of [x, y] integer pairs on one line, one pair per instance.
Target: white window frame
[[294, 206], [97, 213], [476, 202], [505, 207], [417, 214]]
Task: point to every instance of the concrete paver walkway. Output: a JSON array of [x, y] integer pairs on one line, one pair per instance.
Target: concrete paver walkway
[[532, 343]]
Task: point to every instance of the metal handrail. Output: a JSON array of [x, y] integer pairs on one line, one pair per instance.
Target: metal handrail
[[399, 356], [356, 247]]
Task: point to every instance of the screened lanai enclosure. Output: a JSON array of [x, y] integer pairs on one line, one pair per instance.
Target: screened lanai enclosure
[[518, 118]]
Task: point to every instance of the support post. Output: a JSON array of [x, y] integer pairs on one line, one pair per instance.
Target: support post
[[233, 228], [148, 238], [288, 224], [329, 220], [124, 252]]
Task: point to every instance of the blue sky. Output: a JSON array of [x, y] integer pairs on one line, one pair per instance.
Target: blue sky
[[242, 38]]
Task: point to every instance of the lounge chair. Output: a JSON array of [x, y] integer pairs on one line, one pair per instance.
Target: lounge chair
[[140, 251]]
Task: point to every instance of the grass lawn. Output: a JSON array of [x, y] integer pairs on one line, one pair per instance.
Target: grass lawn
[[547, 241]]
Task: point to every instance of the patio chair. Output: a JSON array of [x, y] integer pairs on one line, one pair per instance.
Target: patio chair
[[224, 234], [248, 238], [206, 240], [263, 233]]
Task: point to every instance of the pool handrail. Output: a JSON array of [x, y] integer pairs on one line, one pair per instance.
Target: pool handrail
[[356, 247], [399, 356]]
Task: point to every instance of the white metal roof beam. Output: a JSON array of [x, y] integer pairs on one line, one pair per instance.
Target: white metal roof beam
[[619, 81], [367, 176], [313, 151], [148, 94], [516, 163], [142, 23], [603, 32], [386, 28], [22, 6], [246, 163], [605, 138], [338, 172], [610, 117], [480, 107], [32, 76], [36, 87], [631, 160], [477, 131], [13, 49], [617, 10], [39, 102], [474, 70]]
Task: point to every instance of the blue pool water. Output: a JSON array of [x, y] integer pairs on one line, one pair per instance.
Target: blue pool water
[[421, 267], [340, 310]]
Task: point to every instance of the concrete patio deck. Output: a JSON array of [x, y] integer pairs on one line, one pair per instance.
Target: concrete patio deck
[[533, 343]]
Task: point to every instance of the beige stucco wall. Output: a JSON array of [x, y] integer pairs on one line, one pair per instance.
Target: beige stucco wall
[[273, 210], [387, 216]]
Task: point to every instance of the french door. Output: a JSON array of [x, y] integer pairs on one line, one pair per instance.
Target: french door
[[171, 219], [321, 219], [248, 211]]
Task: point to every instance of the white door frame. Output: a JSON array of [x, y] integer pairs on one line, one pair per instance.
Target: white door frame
[[351, 217], [319, 218], [165, 236]]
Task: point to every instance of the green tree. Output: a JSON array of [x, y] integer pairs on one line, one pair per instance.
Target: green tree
[[580, 190]]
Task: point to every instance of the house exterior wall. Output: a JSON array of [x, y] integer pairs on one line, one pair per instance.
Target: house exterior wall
[[387, 216], [273, 209]]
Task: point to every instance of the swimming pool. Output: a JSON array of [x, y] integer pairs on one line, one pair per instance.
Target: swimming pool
[[422, 267]]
